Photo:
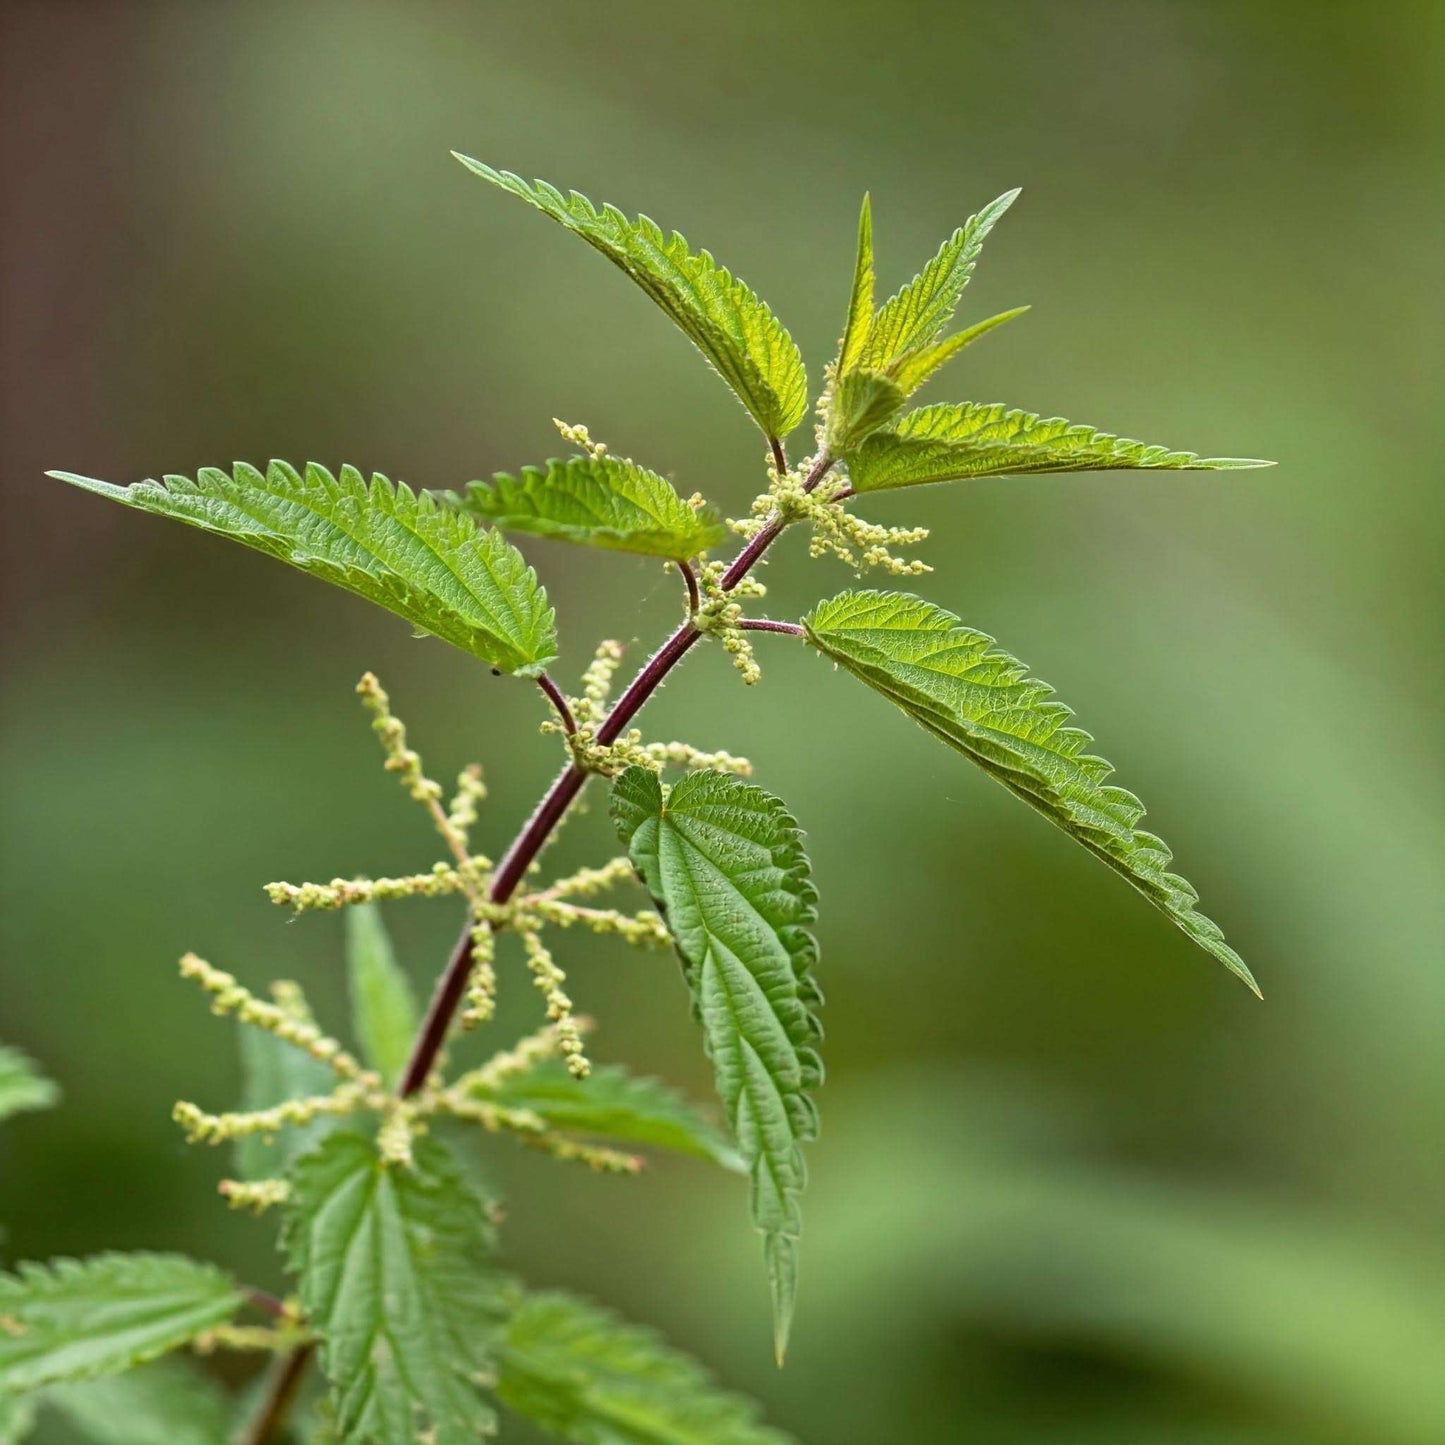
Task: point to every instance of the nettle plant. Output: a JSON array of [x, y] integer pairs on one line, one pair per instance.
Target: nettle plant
[[398, 1294]]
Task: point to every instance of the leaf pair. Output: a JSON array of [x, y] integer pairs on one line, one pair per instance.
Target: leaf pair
[[885, 356]]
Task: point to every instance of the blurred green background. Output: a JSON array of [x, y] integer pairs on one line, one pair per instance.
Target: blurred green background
[[1075, 1184]]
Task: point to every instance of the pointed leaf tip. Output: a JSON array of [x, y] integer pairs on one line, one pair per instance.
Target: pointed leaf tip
[[721, 315], [383, 541], [958, 685]]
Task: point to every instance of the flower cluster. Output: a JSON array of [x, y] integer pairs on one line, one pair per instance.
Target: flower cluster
[[858, 544], [566, 903]]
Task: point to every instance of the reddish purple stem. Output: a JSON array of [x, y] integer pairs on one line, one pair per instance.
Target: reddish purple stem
[[452, 984]]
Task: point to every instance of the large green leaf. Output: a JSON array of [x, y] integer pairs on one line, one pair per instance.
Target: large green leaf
[[611, 1103], [725, 863], [407, 552], [22, 1086], [584, 1376], [916, 315], [979, 700], [273, 1071], [165, 1403], [734, 330], [79, 1319], [948, 442], [394, 1273], [599, 501], [383, 1006]]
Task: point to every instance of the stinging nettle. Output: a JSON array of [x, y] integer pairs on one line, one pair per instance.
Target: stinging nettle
[[359, 1146]]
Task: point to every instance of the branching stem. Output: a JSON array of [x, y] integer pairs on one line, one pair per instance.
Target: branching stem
[[452, 985], [286, 1376]]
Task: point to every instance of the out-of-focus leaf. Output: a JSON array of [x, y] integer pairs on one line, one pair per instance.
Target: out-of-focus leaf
[[611, 1103], [383, 1005], [22, 1086], [585, 1376], [164, 1403]]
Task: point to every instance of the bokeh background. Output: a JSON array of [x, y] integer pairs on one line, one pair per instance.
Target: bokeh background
[[1075, 1184]]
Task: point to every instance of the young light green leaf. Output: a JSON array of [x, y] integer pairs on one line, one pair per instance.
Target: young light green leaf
[[614, 1104], [860, 302], [406, 552], [917, 314], [725, 863], [164, 1403], [914, 367], [394, 1273], [22, 1086], [599, 501], [585, 1376], [862, 401], [273, 1071], [742, 339], [383, 1006], [77, 1319], [955, 683], [948, 442]]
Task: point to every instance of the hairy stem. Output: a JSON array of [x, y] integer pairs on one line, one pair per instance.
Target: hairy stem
[[694, 601], [286, 1376], [558, 701], [452, 985], [766, 624]]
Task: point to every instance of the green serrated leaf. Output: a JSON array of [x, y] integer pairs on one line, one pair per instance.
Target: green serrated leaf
[[22, 1086], [914, 367], [917, 314], [394, 1273], [383, 1006], [164, 1403], [862, 402], [406, 552], [948, 442], [613, 1104], [80, 1319], [273, 1071], [725, 863], [745, 343], [959, 686], [585, 1376], [860, 302], [600, 501]]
